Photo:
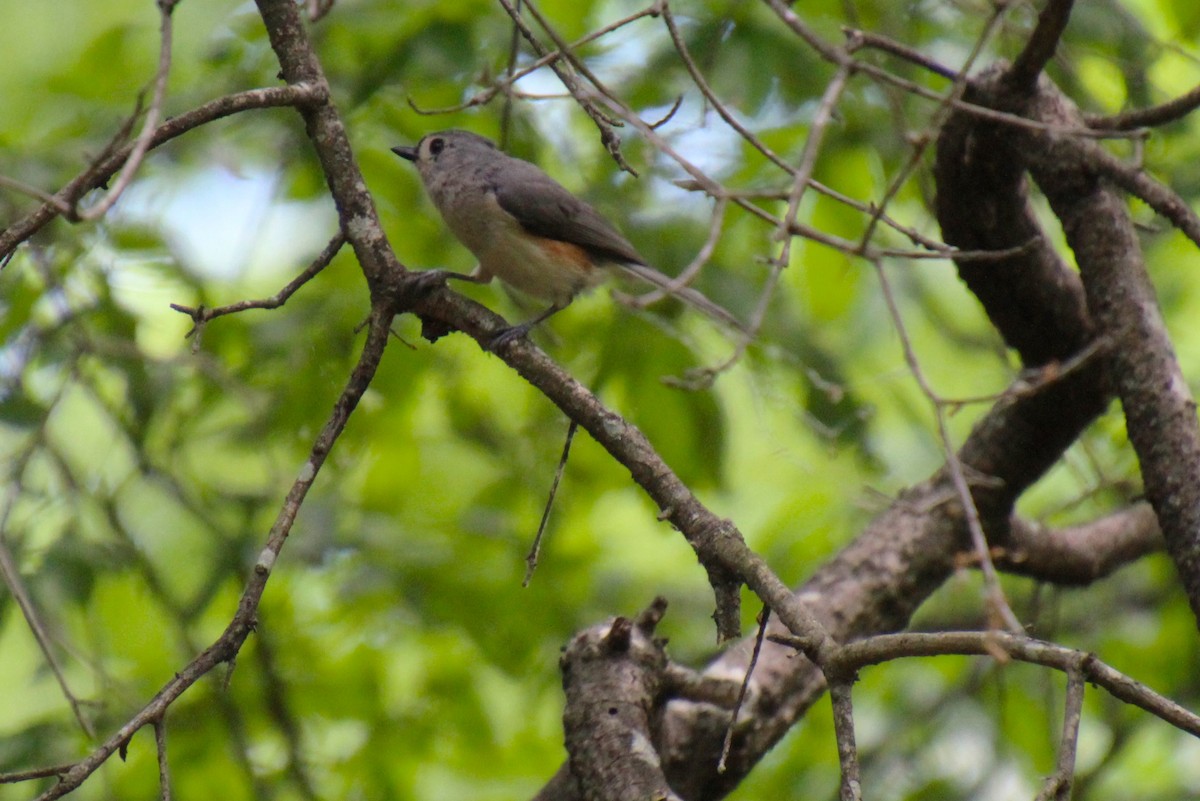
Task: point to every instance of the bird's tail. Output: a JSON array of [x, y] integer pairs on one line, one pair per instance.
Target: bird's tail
[[688, 295]]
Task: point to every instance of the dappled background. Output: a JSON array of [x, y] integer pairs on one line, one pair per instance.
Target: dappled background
[[397, 654]]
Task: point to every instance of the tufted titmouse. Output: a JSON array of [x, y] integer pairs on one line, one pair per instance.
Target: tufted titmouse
[[525, 228]]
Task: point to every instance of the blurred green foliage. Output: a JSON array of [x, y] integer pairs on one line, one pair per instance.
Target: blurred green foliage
[[397, 655]]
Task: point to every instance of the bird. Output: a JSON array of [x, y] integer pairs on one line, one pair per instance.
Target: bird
[[527, 229]]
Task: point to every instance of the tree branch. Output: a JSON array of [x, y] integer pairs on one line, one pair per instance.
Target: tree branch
[[717, 543], [1077, 555], [885, 648], [356, 208], [612, 677], [1154, 116], [202, 315], [1160, 412], [100, 171], [1041, 45], [227, 646]]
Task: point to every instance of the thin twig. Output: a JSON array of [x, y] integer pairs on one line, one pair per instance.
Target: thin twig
[[505, 84], [763, 618], [1058, 786], [912, 234], [857, 39], [935, 250], [883, 648], [17, 589], [789, 223], [225, 648], [689, 273], [107, 164], [827, 51], [841, 696], [1151, 117], [1161, 198], [201, 315], [37, 194], [939, 115], [671, 112], [34, 773], [812, 148], [702, 84], [1033, 380], [535, 550], [514, 50], [164, 771], [604, 123], [564, 47], [145, 138], [837, 56], [999, 610]]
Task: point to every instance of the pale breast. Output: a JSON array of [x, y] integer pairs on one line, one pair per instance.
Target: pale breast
[[508, 252]]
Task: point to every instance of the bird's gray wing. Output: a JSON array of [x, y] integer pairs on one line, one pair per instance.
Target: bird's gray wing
[[545, 208]]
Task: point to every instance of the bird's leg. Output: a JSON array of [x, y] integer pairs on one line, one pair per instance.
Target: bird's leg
[[507, 335]]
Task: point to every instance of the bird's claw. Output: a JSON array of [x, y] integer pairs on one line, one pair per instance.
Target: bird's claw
[[429, 280], [505, 336]]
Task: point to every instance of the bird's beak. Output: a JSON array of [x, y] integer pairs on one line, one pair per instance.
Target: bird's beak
[[405, 152]]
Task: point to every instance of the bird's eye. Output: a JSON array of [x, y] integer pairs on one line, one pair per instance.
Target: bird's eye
[[436, 145]]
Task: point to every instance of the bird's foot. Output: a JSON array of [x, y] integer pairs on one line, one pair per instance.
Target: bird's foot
[[429, 280], [507, 335]]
